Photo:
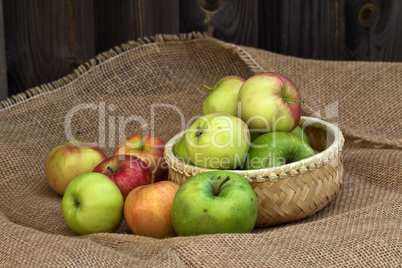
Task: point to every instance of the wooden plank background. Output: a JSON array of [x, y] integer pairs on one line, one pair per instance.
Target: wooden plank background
[[3, 68], [43, 40]]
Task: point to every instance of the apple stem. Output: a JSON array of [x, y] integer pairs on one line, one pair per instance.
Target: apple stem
[[110, 169], [76, 202], [141, 140], [220, 186], [76, 138], [299, 101], [210, 89], [199, 132], [153, 174]]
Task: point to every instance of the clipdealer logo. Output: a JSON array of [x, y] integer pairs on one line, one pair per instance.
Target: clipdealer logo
[[109, 124]]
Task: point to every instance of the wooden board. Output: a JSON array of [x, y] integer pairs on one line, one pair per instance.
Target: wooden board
[[3, 68], [373, 30], [234, 21], [333, 29], [46, 40], [161, 17], [309, 29], [120, 21]]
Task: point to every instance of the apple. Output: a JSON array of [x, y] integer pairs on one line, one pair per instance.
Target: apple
[[275, 149], [67, 161], [223, 96], [180, 152], [148, 209], [149, 148], [126, 171], [299, 132], [269, 102], [92, 203], [213, 202], [217, 141]]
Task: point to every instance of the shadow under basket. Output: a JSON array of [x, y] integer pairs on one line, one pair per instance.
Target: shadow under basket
[[292, 191]]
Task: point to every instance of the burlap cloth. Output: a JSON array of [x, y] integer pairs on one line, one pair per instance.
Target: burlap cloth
[[360, 227]]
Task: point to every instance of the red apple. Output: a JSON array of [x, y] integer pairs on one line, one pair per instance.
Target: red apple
[[67, 161], [269, 102], [148, 209], [149, 148], [126, 171]]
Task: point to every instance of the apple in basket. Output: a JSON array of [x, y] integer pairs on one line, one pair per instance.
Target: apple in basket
[[126, 171], [180, 152], [214, 202], [148, 209], [275, 149], [223, 96], [92, 203], [299, 132], [149, 148], [67, 161], [217, 141], [269, 102]]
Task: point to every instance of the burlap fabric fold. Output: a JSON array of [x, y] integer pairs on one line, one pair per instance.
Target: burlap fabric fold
[[157, 84]]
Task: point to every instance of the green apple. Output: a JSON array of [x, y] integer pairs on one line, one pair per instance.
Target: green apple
[[275, 149], [298, 131], [92, 203], [223, 96], [217, 141], [180, 152], [214, 202], [269, 102]]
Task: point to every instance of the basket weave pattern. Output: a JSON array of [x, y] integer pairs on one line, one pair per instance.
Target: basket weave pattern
[[297, 197], [289, 192]]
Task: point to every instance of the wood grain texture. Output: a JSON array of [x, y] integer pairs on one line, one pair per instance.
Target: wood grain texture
[[373, 32], [161, 17], [3, 66], [308, 29], [117, 22], [234, 21], [120, 21], [191, 17], [46, 39]]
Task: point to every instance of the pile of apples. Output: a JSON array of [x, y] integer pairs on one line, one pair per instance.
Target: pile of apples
[[246, 124], [99, 191]]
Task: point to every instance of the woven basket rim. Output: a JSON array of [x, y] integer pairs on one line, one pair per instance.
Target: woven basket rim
[[259, 175]]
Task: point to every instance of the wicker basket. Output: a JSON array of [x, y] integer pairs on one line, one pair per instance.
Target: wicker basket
[[292, 191]]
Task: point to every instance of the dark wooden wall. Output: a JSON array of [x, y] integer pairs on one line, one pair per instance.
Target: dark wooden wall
[[43, 40], [3, 68]]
